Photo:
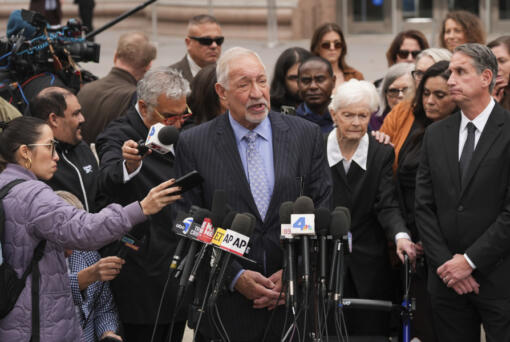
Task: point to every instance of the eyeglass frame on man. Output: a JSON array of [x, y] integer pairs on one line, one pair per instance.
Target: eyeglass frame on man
[[53, 143], [183, 116], [207, 41]]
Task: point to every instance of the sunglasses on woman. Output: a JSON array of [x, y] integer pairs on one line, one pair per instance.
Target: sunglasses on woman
[[208, 40], [327, 45], [405, 53]]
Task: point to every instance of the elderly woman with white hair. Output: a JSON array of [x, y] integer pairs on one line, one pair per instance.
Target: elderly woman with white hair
[[363, 182]]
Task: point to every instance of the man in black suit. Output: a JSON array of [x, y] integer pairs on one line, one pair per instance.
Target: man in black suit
[[291, 162], [126, 177], [203, 42], [463, 204]]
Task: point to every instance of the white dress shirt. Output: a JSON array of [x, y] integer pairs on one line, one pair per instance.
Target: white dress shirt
[[479, 123], [193, 67]]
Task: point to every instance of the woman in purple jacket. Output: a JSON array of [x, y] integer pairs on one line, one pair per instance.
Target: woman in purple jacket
[[33, 212]]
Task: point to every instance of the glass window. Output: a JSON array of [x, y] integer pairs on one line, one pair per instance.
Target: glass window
[[472, 6], [416, 9], [368, 10], [504, 9]]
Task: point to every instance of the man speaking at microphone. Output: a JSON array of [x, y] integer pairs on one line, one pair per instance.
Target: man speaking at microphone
[[128, 176], [261, 159]]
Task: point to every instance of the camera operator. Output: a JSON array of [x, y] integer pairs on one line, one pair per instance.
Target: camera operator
[[138, 288]]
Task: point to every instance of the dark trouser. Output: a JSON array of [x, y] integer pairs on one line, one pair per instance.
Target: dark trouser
[[458, 318], [86, 12], [421, 324], [143, 332]]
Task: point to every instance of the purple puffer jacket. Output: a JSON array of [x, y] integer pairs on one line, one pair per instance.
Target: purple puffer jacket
[[34, 212]]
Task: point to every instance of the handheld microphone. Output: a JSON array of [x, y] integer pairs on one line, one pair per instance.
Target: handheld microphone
[[127, 243], [322, 221], [194, 231], [243, 225], [218, 207], [304, 205], [285, 212], [340, 230], [348, 236], [160, 139], [181, 227], [219, 235], [337, 228]]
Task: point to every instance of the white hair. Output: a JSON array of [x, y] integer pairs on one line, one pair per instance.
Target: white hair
[[223, 66], [355, 91], [436, 54], [162, 80]]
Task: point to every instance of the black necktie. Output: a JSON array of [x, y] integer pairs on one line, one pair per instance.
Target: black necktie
[[467, 151]]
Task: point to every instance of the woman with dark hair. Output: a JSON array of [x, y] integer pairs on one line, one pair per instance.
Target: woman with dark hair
[[284, 86], [203, 100], [398, 122], [460, 27], [501, 49], [431, 103], [34, 214], [328, 42], [406, 46]]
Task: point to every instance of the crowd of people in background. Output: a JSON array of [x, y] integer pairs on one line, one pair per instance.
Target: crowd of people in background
[[420, 157]]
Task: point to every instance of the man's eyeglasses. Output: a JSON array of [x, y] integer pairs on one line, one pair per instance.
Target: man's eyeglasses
[[405, 53], [208, 40], [53, 143], [327, 45], [395, 92], [170, 118]]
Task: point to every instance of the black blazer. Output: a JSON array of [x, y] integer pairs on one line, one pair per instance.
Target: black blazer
[[375, 217], [139, 286], [473, 217], [299, 159], [183, 67]]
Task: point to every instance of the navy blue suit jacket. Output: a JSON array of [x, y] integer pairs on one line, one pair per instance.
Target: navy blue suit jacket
[[300, 168]]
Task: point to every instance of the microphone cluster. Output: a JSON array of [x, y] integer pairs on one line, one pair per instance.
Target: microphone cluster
[[324, 239], [218, 235]]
